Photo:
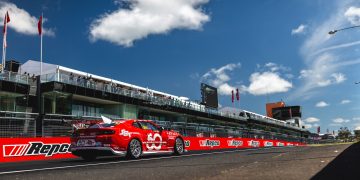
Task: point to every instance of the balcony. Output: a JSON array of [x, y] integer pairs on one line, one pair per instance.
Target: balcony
[[14, 77]]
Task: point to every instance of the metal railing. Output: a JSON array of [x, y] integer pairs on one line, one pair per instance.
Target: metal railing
[[148, 96], [16, 124], [57, 125], [14, 77]]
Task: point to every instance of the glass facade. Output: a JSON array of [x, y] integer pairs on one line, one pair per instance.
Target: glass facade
[[57, 103], [13, 102]]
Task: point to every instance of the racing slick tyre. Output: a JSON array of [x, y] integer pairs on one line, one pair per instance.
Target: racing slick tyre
[[179, 146], [134, 149], [88, 157]]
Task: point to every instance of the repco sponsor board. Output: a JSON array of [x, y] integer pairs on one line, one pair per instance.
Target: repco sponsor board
[[29, 149], [201, 143]]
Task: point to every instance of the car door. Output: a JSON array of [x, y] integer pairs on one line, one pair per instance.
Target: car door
[[152, 138], [164, 136]]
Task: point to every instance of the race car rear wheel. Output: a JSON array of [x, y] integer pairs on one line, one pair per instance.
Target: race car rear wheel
[[134, 149], [179, 146]]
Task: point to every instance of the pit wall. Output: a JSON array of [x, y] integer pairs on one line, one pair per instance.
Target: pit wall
[[33, 149]]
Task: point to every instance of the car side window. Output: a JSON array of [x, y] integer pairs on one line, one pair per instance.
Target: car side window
[[152, 126], [135, 124], [148, 126]]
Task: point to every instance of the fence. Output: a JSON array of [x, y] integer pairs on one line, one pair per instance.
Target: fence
[[17, 124], [59, 125], [24, 125]]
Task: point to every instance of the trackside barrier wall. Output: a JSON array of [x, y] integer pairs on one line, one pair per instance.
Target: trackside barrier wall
[[31, 149]]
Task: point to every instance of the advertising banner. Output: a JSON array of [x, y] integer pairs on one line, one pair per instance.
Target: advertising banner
[[197, 143], [30, 149]]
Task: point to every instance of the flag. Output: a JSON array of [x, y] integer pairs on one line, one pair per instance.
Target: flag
[[40, 25], [232, 96], [237, 94], [6, 20], [318, 130], [290, 113]]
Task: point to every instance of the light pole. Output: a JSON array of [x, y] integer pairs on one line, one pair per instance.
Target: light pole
[[337, 30]]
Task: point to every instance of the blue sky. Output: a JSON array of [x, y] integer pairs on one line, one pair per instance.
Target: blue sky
[[270, 49]]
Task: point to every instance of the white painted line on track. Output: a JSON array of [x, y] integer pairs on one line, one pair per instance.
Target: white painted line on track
[[135, 160]]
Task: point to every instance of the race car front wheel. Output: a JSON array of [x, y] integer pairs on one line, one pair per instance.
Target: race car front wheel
[[179, 146], [134, 149]]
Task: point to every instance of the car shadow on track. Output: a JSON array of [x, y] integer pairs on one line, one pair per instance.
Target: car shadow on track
[[112, 158], [345, 166]]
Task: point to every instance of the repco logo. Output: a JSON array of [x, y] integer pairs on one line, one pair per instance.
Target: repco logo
[[35, 148], [234, 143], [268, 144], [254, 143], [209, 143]]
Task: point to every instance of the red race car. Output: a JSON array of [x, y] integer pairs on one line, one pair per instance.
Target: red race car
[[130, 138]]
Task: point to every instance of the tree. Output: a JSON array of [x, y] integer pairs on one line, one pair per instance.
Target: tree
[[357, 134], [344, 133]]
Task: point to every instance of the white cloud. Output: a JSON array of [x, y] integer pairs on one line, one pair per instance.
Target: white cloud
[[345, 101], [338, 77], [220, 78], [353, 15], [356, 118], [268, 80], [21, 21], [146, 17], [273, 67], [325, 55], [308, 126], [321, 104], [312, 119], [299, 30], [319, 76], [340, 120], [267, 83]]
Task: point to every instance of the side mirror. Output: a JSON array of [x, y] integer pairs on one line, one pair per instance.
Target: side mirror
[[161, 128]]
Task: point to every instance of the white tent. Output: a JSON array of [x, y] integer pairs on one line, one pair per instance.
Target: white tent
[[33, 67]]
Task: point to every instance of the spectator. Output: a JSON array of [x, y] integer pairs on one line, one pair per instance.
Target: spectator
[[71, 77]]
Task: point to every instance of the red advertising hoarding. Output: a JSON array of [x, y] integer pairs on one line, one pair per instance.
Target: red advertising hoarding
[[30, 149]]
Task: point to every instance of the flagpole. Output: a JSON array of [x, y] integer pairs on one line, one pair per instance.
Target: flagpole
[[4, 44], [41, 44], [3, 55]]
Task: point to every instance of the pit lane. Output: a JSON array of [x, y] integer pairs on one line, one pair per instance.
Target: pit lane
[[270, 163]]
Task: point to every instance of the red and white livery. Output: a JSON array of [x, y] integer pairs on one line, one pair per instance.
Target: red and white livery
[[130, 138]]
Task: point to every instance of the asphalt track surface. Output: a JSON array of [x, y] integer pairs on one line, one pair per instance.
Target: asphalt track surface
[[323, 162]]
